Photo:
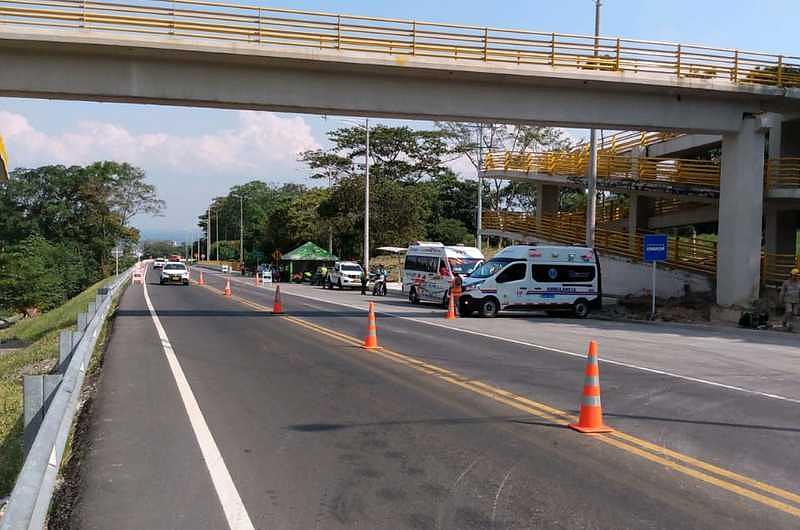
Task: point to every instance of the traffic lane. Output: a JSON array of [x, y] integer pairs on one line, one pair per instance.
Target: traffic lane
[[751, 435], [317, 433], [143, 467], [766, 362]]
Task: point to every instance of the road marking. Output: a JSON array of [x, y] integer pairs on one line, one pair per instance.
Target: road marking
[[631, 444], [555, 350], [232, 505]]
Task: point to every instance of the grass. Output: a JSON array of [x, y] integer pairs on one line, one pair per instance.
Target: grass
[[40, 338]]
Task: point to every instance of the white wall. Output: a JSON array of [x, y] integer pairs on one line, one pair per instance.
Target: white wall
[[622, 277]]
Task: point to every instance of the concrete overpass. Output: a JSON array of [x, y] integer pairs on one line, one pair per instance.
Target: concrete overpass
[[206, 54]]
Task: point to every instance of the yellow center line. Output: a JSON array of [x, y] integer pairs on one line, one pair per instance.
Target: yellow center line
[[626, 442]]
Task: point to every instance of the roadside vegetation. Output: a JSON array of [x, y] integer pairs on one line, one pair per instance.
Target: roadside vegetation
[[35, 351], [415, 192], [58, 227]]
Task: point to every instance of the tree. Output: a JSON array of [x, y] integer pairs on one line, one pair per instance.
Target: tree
[[29, 283], [128, 193]]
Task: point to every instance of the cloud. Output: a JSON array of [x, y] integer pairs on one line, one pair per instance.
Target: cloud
[[259, 142]]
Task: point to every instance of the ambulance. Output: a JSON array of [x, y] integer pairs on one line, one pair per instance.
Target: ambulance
[[430, 269], [556, 279]]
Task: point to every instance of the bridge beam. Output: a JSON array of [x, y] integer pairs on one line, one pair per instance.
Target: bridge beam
[[740, 214], [187, 73]]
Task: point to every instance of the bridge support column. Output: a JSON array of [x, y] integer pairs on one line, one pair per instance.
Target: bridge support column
[[740, 213], [639, 211], [547, 197], [780, 228]]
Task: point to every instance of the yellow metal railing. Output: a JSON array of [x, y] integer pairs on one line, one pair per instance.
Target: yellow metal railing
[[783, 173], [775, 268], [289, 27], [704, 173], [689, 253]]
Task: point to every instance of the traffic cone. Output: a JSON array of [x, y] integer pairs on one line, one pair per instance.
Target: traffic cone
[[590, 420], [371, 342], [277, 307], [202, 280], [451, 307], [227, 287]]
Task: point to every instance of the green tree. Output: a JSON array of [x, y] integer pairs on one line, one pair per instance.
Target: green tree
[[29, 281]]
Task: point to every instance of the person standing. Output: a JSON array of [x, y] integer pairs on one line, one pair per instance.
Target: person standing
[[363, 283], [790, 297]]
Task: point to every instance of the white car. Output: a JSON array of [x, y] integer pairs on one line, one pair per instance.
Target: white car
[[159, 263], [174, 272], [344, 274]]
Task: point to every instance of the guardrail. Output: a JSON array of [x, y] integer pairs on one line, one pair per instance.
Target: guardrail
[[686, 253], [307, 29], [672, 171], [30, 499]]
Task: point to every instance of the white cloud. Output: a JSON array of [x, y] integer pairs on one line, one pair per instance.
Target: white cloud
[[260, 142]]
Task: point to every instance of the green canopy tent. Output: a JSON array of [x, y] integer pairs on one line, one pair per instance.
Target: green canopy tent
[[307, 257]]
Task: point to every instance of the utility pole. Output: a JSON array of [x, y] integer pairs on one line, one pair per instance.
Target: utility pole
[[241, 228], [591, 177], [480, 186], [208, 238], [216, 227], [366, 206]]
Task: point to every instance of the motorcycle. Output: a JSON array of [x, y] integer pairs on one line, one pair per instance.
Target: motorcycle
[[379, 285]]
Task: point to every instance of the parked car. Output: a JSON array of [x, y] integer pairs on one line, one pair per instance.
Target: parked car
[[345, 274], [174, 272]]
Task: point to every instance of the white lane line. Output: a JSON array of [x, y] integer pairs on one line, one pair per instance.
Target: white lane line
[[556, 350], [232, 505]]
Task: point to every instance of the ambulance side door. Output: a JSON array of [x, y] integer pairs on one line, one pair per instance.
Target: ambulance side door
[[512, 284]]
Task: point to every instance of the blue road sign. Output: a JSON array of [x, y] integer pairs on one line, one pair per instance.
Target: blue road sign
[[655, 247]]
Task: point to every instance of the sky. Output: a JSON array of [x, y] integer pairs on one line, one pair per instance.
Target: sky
[[193, 155]]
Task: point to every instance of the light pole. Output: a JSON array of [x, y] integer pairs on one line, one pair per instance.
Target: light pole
[[216, 228], [241, 227], [366, 205], [591, 177], [480, 186], [208, 238], [366, 192]]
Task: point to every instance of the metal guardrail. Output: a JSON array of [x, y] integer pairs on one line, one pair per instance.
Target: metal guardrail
[[289, 27], [30, 499]]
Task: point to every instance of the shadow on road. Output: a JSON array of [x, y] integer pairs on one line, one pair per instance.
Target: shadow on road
[[325, 427]]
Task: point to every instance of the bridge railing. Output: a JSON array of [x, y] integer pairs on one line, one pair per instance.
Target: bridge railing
[[783, 173], [702, 173], [688, 253], [289, 27]]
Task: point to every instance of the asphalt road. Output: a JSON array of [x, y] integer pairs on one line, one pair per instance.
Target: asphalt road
[[312, 431]]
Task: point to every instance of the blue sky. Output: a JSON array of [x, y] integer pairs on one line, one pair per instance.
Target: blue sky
[[264, 145]]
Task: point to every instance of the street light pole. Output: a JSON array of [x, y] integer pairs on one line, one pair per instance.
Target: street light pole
[[208, 239], [216, 228], [366, 206], [591, 177], [480, 186]]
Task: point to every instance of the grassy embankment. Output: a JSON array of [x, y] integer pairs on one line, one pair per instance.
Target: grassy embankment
[[38, 352]]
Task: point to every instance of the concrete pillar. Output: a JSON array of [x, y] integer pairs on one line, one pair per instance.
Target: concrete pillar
[[547, 197], [775, 133], [740, 213], [640, 209]]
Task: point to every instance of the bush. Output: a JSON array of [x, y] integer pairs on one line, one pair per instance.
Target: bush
[[29, 277]]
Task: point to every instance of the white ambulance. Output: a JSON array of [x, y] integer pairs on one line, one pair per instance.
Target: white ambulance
[[430, 268], [552, 278]]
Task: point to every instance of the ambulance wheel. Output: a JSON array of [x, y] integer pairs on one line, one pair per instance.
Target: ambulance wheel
[[580, 309], [489, 307], [413, 297]]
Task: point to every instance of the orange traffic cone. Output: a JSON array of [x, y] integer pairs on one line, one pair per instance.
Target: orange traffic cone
[[590, 420], [371, 342], [227, 287], [451, 307], [277, 306], [202, 280]]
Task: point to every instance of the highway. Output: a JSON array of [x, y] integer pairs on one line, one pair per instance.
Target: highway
[[214, 413]]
